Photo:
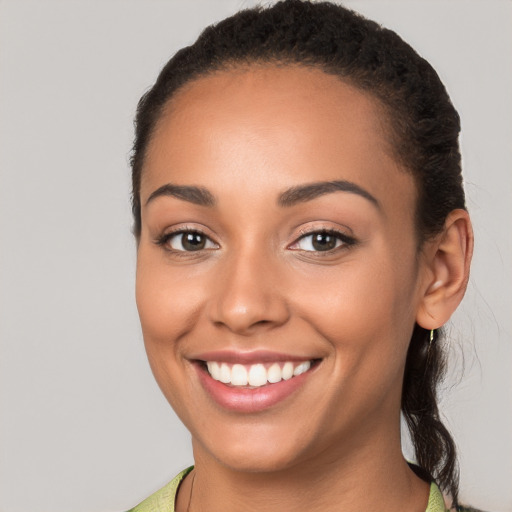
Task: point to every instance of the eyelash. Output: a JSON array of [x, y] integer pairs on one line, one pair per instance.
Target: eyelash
[[346, 241], [164, 240]]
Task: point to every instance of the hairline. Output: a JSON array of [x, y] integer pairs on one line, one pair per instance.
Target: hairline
[[384, 110]]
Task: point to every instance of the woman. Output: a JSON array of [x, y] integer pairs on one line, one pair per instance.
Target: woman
[[302, 238]]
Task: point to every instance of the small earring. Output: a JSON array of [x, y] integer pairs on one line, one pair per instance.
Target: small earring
[[430, 348]]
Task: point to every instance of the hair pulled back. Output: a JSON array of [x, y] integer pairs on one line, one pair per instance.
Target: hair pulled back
[[423, 127]]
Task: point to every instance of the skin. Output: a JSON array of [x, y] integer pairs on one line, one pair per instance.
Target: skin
[[246, 136]]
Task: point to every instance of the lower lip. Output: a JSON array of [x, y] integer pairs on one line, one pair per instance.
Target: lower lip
[[249, 400]]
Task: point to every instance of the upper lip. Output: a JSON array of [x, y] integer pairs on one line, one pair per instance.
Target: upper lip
[[248, 357]]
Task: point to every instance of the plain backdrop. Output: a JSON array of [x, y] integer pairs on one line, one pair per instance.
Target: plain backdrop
[[83, 426]]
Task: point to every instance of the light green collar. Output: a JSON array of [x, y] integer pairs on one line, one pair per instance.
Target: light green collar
[[163, 500], [435, 500]]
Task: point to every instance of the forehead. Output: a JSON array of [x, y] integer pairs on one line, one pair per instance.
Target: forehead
[[288, 124]]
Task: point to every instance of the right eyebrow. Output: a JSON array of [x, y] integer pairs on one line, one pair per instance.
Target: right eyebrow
[[309, 191], [190, 193]]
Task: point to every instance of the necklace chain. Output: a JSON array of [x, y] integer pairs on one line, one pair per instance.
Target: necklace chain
[[191, 489]]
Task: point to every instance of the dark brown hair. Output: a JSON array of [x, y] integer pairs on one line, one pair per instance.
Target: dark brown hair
[[424, 129]]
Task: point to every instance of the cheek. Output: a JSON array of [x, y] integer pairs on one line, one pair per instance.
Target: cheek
[[168, 305], [167, 310], [364, 308], [166, 300], [366, 318]]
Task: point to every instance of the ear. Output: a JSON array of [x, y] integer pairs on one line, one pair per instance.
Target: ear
[[447, 259]]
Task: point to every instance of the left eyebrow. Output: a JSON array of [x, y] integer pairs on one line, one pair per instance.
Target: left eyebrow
[[190, 193], [303, 193]]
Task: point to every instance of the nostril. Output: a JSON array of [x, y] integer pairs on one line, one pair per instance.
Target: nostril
[[245, 309]]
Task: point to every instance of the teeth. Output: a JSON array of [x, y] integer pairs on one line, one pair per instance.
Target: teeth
[[225, 373], [255, 375], [303, 367], [214, 369], [287, 371], [238, 375], [274, 374]]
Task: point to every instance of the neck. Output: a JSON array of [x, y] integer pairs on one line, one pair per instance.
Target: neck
[[367, 478]]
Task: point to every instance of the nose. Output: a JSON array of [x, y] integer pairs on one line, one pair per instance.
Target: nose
[[248, 295]]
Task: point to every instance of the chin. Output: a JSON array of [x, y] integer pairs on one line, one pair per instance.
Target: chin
[[249, 460], [253, 450]]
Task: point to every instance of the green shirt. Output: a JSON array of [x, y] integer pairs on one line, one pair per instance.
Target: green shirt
[[163, 500]]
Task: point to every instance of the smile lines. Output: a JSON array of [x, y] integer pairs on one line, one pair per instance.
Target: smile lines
[[255, 375]]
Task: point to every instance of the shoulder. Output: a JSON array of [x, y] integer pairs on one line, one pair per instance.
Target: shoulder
[[163, 499], [436, 502]]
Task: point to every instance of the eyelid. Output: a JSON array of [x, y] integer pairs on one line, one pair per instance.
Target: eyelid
[[163, 239], [347, 240]]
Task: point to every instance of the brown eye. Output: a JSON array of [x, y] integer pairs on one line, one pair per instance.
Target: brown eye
[[324, 241], [188, 241], [319, 241], [193, 241]]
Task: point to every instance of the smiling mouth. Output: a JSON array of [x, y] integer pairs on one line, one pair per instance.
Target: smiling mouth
[[256, 375]]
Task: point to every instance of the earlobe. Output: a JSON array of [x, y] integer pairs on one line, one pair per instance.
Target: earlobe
[[448, 262]]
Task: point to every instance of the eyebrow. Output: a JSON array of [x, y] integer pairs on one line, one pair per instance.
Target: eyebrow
[[197, 195], [303, 193], [299, 194]]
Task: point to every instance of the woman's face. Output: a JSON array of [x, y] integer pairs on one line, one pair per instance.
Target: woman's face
[[277, 237]]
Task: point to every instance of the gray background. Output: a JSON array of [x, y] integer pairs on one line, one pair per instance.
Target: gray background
[[83, 427]]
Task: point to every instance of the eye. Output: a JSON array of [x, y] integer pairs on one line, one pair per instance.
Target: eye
[[187, 241], [322, 241]]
